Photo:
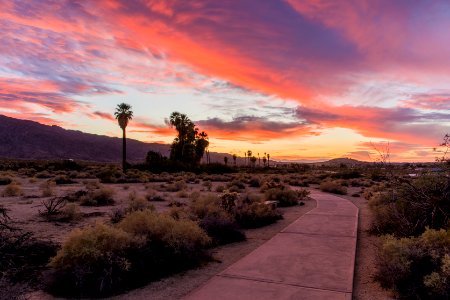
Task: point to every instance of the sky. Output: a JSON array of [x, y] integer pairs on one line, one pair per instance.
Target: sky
[[303, 80]]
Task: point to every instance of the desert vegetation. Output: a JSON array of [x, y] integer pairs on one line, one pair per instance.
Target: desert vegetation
[[84, 229]]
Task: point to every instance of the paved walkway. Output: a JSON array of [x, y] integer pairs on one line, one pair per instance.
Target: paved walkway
[[313, 258]]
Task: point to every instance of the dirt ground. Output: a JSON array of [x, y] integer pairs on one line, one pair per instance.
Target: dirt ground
[[24, 212]]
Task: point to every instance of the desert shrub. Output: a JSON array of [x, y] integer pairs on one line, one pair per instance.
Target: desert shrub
[[43, 174], [178, 213], [26, 172], [5, 180], [74, 196], [222, 228], [93, 261], [220, 188], [109, 175], [347, 174], [47, 188], [176, 186], [333, 187], [174, 241], [256, 214], [407, 208], [206, 205], [182, 194], [416, 267], [216, 220], [236, 184], [154, 197], [175, 203], [208, 185], [12, 190], [63, 179], [273, 183], [228, 201], [138, 204], [98, 197], [254, 182], [284, 197], [117, 215], [70, 212], [52, 206]]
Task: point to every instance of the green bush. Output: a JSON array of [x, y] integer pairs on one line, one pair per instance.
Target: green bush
[[416, 267], [333, 187]]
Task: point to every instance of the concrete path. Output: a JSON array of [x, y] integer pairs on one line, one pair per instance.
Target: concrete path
[[313, 258]]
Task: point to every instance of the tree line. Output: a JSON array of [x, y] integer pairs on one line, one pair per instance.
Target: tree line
[[187, 148]]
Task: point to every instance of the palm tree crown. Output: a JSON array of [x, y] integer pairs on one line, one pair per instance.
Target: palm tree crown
[[123, 114]]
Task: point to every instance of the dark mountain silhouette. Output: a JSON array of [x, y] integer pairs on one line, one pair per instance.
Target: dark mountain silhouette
[[31, 140]]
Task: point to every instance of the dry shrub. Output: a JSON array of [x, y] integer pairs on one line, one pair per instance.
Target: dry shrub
[[71, 212], [98, 197], [53, 206], [333, 187], [181, 239], [92, 261], [176, 186], [5, 180], [256, 214], [48, 188], [416, 267], [286, 197], [182, 194], [138, 204], [216, 220], [12, 190], [408, 207]]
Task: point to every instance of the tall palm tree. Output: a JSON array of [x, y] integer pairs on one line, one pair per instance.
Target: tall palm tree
[[123, 115]]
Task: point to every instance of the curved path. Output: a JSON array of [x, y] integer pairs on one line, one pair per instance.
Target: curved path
[[312, 258]]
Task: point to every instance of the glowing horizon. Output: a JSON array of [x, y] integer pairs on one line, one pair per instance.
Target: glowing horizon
[[301, 80]]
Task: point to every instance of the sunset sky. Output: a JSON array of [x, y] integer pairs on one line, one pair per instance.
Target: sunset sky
[[299, 79]]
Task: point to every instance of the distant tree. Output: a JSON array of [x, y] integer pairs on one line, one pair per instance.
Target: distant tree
[[259, 160], [153, 158], [234, 159], [189, 146], [268, 160], [253, 161], [264, 159], [225, 160], [245, 158], [249, 154], [123, 115]]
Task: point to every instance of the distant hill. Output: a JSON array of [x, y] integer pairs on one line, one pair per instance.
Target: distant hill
[[31, 140], [342, 161]]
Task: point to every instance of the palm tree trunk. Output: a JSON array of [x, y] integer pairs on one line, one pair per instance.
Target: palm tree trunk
[[124, 151]]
